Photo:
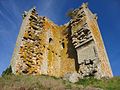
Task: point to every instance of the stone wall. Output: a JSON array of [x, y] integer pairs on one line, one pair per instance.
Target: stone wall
[[45, 48], [89, 45], [42, 48]]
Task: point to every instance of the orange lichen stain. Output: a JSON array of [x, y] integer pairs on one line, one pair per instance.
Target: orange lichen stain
[[36, 49], [58, 61], [101, 53]]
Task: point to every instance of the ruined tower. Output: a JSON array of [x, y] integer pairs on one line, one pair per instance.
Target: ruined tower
[[43, 47], [88, 42]]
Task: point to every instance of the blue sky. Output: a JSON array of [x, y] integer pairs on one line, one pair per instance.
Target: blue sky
[[108, 12]]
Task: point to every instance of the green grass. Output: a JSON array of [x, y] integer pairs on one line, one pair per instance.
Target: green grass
[[105, 84], [29, 82]]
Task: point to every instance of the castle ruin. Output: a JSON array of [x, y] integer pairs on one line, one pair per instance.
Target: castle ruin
[[43, 47]]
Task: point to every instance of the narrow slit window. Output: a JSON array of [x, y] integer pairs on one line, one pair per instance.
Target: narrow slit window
[[50, 40], [63, 44]]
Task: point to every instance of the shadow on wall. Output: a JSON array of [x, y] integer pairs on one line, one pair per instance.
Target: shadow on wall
[[72, 53]]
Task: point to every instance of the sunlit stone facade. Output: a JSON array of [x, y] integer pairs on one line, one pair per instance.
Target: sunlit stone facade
[[43, 47]]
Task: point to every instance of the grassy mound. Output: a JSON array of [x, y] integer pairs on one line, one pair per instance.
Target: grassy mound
[[11, 82]]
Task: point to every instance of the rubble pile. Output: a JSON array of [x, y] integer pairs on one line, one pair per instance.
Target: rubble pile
[[88, 68]]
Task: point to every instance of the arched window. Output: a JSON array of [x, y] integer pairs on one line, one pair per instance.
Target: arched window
[[50, 40]]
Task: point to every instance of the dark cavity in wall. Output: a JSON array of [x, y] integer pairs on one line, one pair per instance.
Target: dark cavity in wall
[[50, 40], [72, 53], [63, 45]]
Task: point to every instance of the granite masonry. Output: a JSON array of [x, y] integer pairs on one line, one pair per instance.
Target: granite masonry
[[75, 48]]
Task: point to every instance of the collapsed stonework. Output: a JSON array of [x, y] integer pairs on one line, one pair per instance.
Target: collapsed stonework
[[43, 47]]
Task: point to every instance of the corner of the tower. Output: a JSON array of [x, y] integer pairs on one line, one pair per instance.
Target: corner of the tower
[[87, 40], [26, 20], [99, 43]]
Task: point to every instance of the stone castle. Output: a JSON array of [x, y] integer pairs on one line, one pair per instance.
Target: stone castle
[[43, 47]]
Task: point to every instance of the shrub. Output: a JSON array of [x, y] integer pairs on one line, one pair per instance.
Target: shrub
[[70, 13], [8, 71]]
